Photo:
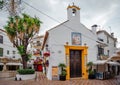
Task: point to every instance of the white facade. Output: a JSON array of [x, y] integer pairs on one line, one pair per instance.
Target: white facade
[[8, 49], [109, 40], [58, 36], [35, 46]]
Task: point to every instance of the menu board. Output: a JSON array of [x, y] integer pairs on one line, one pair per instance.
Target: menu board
[[54, 72]]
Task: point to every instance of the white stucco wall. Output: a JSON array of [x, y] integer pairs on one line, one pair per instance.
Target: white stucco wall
[[62, 34], [7, 46], [110, 46], [59, 35]]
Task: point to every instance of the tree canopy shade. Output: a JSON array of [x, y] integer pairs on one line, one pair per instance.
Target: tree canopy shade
[[20, 31]]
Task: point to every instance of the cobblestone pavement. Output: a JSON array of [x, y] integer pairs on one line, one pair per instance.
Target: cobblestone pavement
[[42, 80]]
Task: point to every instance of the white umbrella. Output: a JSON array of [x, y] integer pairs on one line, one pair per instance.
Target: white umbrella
[[114, 57], [15, 64], [118, 52], [113, 63], [1, 63], [100, 62]]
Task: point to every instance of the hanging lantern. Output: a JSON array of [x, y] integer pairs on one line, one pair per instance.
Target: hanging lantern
[[46, 54], [38, 61], [47, 63]]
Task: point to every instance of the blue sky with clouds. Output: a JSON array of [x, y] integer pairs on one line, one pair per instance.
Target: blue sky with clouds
[[105, 13]]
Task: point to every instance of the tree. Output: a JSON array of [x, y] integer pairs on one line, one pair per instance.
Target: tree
[[12, 6], [20, 31]]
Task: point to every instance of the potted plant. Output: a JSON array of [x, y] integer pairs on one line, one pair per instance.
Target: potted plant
[[91, 74], [63, 73]]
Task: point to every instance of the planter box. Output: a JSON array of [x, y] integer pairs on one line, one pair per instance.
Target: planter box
[[25, 77], [91, 76], [62, 78]]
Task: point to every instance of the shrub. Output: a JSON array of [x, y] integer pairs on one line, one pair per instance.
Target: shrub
[[26, 71], [63, 70]]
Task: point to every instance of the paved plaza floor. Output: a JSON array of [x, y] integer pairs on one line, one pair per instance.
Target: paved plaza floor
[[42, 80]]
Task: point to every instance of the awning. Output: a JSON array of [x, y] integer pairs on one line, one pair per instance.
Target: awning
[[100, 62], [113, 63], [1, 64], [15, 64], [114, 57], [118, 52]]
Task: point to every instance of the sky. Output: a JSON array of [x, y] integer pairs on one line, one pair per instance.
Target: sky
[[104, 13]]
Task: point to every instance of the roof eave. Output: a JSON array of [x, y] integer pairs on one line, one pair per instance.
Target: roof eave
[[45, 39]]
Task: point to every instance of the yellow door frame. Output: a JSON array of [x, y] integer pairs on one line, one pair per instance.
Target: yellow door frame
[[84, 60]]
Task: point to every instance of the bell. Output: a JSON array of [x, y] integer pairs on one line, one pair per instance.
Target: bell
[[73, 10]]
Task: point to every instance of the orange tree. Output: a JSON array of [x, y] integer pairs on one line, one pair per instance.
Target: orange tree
[[20, 31]]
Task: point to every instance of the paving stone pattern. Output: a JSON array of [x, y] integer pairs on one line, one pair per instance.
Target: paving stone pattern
[[42, 80]]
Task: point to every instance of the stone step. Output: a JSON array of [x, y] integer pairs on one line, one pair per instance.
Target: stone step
[[7, 74]]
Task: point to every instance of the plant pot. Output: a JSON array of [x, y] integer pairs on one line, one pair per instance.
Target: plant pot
[[25, 77], [91, 76], [62, 78]]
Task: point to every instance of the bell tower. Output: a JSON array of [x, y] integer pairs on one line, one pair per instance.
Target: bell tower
[[73, 13]]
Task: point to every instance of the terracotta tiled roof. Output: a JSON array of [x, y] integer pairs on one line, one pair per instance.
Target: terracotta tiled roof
[[45, 39]]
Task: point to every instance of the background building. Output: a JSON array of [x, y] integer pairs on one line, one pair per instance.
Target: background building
[[107, 43], [35, 49], [8, 52]]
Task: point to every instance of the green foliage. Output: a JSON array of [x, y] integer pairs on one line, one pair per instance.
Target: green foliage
[[89, 64], [63, 73], [20, 30], [62, 65], [90, 71], [26, 71], [21, 50], [63, 70], [28, 57]]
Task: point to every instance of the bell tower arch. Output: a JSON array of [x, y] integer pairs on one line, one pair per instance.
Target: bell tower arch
[[73, 13]]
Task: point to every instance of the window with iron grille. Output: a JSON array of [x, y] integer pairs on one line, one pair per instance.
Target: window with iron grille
[[8, 52], [1, 51], [1, 39]]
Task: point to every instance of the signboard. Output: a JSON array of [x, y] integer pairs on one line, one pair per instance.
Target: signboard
[[54, 72]]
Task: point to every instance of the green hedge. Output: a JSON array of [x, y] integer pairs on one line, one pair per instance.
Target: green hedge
[[26, 71]]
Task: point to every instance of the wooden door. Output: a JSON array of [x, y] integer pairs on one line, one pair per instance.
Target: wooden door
[[75, 63]]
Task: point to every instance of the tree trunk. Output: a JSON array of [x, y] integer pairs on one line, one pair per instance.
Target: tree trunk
[[24, 61]]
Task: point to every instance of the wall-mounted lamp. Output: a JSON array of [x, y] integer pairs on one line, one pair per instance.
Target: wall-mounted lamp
[[85, 44], [67, 43]]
